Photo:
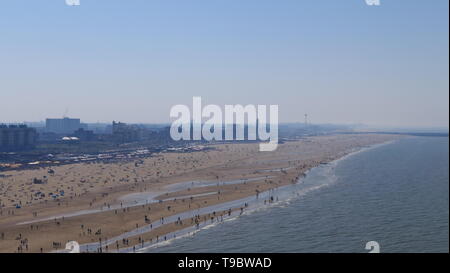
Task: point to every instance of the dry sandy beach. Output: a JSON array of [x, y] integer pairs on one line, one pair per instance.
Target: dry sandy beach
[[94, 202]]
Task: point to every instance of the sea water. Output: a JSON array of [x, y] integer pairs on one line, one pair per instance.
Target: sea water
[[395, 194]]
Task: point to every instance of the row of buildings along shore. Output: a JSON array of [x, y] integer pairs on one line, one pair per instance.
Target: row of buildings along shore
[[66, 130]]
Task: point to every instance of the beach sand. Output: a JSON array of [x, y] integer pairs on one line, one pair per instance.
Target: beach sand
[[98, 189]]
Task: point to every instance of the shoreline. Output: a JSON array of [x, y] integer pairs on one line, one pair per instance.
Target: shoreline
[[290, 192], [217, 188]]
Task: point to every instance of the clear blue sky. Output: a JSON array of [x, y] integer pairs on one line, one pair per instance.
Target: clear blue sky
[[339, 61]]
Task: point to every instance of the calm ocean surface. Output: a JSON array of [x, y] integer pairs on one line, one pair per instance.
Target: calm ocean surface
[[396, 194]]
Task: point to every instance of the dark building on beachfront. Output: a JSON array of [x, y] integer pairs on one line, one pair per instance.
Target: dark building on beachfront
[[124, 133], [85, 135], [17, 137]]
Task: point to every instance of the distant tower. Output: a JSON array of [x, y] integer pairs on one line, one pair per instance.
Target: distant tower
[[66, 112], [306, 119]]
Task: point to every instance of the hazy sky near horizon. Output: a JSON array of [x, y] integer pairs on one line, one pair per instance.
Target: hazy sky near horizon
[[339, 61]]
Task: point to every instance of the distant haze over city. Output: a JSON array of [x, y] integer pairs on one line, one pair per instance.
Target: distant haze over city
[[342, 62]]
